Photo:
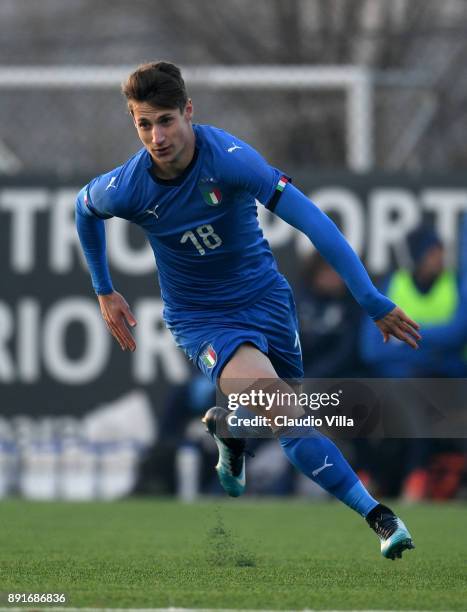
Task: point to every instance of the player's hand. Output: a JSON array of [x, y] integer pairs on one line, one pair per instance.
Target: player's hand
[[396, 323], [117, 316]]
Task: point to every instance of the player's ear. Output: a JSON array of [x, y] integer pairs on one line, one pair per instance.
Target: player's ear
[[131, 113], [189, 110]]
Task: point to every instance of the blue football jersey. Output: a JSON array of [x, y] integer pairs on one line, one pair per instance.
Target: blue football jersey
[[202, 226]]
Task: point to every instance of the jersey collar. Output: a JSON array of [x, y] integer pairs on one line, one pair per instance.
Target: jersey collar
[[178, 180]]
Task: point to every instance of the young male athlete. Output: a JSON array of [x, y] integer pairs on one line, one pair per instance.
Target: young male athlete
[[193, 190]]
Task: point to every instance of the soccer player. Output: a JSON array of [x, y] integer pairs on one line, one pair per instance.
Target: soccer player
[[193, 190]]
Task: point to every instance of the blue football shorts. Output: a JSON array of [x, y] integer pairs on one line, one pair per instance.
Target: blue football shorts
[[270, 324]]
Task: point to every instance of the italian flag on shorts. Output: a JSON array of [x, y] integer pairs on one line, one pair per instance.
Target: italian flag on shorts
[[209, 357]]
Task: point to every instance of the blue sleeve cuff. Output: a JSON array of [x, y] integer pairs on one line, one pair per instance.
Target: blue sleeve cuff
[[382, 306]]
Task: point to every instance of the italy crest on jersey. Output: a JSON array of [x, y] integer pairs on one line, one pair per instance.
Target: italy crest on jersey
[[210, 191]]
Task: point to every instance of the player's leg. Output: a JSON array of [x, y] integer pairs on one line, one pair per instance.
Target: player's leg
[[213, 360], [393, 534], [246, 369], [305, 451], [309, 451]]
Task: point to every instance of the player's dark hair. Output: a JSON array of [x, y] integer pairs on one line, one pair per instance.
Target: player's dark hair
[[158, 83]]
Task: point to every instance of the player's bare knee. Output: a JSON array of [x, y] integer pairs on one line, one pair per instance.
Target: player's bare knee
[[247, 384]]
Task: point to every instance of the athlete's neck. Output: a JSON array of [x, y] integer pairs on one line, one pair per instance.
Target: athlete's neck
[[176, 166]]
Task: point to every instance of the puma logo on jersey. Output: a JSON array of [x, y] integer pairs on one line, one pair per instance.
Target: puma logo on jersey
[[233, 147], [152, 211], [323, 467], [112, 183]]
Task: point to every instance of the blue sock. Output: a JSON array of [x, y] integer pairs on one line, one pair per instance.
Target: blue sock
[[320, 459]]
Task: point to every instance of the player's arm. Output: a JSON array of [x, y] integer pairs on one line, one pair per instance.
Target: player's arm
[[295, 208], [250, 171], [114, 308]]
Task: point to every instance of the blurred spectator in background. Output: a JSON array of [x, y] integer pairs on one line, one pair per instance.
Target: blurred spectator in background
[[435, 296], [329, 322]]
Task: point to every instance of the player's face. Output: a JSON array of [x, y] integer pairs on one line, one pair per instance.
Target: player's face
[[167, 134]]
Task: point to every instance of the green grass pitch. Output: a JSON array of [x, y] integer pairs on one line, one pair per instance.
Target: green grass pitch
[[230, 554]]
